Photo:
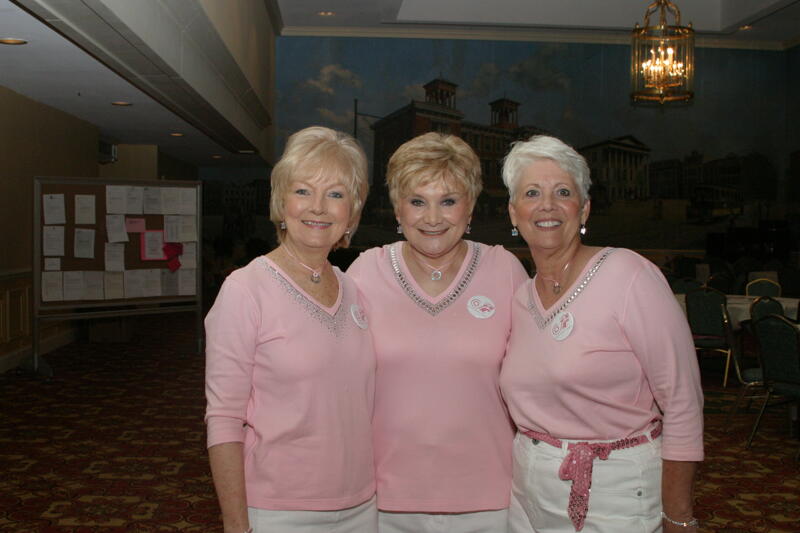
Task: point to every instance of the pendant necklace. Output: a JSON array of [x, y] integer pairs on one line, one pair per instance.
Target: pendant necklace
[[556, 284], [316, 275], [436, 273]]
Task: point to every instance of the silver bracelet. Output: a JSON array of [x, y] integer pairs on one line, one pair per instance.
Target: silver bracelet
[[691, 523]]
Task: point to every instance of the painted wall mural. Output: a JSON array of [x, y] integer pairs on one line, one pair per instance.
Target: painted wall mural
[[737, 139]]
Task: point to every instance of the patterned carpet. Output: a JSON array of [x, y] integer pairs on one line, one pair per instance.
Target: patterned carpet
[[114, 442]]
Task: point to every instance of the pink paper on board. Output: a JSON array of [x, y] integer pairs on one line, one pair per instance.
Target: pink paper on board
[[134, 225]]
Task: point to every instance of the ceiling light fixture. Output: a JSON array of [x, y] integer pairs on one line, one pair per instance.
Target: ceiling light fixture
[[121, 103], [745, 27], [12, 41], [216, 156], [176, 134], [662, 57], [326, 13]]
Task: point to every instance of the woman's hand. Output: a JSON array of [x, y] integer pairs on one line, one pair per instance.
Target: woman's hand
[[677, 486], [227, 469]]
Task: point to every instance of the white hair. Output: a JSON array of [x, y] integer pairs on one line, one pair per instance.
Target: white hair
[[538, 147]]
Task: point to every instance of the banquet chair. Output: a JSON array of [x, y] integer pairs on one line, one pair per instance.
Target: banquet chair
[[759, 308], [763, 287], [779, 341], [707, 313], [751, 383]]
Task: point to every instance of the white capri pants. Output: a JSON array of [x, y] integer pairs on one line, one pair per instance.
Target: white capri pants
[[477, 522], [625, 494], [359, 519]]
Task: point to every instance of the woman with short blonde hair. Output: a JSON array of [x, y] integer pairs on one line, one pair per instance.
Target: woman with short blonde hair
[[289, 360], [439, 308]]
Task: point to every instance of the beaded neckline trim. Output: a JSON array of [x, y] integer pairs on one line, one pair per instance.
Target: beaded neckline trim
[[421, 301], [334, 323], [542, 321]]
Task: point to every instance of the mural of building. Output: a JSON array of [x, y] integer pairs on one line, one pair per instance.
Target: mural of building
[[439, 113], [676, 178], [751, 176], [619, 169]]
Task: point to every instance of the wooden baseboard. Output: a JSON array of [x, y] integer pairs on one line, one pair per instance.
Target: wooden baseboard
[[14, 358]]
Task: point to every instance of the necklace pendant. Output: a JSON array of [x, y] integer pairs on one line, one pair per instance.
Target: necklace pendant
[[556, 288], [436, 275], [315, 277]]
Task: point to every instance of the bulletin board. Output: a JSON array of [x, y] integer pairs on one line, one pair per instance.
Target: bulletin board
[[113, 248]]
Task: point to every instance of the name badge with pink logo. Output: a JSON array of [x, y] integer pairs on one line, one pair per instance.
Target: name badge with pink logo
[[563, 324], [359, 317], [481, 307]]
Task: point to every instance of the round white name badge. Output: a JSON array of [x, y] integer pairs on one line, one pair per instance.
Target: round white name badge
[[481, 307], [562, 326], [358, 316]]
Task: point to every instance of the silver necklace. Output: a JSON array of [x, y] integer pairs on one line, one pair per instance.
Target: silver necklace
[[556, 284], [316, 275], [436, 273]]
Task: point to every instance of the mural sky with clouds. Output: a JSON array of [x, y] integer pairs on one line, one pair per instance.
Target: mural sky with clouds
[[578, 92]]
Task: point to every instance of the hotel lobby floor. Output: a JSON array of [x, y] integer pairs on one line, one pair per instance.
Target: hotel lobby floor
[[114, 443]]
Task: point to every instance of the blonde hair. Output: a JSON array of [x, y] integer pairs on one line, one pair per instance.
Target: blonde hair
[[431, 157], [317, 151]]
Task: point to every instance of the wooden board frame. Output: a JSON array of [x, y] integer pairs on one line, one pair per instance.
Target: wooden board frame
[[83, 309]]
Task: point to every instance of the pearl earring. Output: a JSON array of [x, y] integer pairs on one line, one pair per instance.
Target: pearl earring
[[583, 229]]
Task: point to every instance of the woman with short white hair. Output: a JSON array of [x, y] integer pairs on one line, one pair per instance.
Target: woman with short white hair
[[601, 376]]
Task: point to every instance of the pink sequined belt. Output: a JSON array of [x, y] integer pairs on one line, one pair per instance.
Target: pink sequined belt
[[578, 464]]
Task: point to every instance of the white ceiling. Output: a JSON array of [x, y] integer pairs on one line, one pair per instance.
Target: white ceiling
[[56, 72], [776, 23], [52, 70]]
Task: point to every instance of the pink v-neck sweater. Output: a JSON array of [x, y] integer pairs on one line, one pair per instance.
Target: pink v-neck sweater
[[294, 382], [628, 362], [442, 434]]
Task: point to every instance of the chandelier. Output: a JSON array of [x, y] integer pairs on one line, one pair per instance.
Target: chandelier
[[662, 57]]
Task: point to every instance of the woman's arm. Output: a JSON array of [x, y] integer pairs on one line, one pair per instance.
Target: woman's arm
[[227, 469], [677, 481], [232, 329]]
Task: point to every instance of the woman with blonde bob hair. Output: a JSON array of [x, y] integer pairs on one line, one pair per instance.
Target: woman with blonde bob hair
[[289, 360], [601, 376], [440, 310]]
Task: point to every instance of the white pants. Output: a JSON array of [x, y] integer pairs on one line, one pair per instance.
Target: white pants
[[359, 519], [478, 522], [625, 494]]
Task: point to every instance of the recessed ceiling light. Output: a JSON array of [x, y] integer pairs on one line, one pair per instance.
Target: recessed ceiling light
[[12, 41], [746, 27], [176, 134], [121, 103], [326, 13], [216, 156]]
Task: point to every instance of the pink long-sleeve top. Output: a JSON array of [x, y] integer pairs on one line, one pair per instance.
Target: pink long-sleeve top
[[293, 381], [627, 364], [442, 434]]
